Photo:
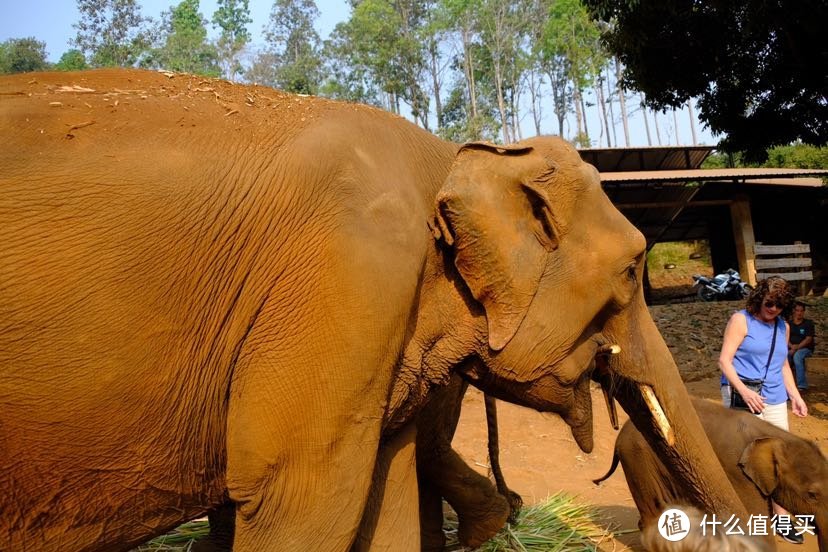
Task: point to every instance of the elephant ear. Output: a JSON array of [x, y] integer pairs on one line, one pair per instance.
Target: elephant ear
[[501, 226], [760, 463]]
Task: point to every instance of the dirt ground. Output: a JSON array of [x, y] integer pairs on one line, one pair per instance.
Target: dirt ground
[[539, 456]]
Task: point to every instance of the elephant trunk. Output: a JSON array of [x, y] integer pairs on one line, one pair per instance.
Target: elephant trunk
[[647, 383]]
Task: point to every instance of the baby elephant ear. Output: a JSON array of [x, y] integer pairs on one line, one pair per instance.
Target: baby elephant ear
[[500, 231], [760, 461]]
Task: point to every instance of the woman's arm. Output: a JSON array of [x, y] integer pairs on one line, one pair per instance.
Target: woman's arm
[[798, 406], [734, 334]]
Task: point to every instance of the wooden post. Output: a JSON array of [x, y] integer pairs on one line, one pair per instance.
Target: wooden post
[[743, 237]]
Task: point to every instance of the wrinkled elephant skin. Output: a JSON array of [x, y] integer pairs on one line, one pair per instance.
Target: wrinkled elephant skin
[[214, 290]]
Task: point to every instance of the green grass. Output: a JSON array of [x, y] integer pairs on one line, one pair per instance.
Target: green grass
[[178, 540], [559, 524], [676, 253]]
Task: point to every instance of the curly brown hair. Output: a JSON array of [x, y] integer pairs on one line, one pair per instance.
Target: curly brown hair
[[774, 288]]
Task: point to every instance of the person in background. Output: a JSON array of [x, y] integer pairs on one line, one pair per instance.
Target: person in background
[[746, 354], [800, 343]]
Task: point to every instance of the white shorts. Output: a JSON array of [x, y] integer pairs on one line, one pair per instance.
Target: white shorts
[[776, 414]]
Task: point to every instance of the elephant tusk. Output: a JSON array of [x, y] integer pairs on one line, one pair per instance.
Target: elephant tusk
[[610, 400], [608, 383], [608, 350], [658, 414]]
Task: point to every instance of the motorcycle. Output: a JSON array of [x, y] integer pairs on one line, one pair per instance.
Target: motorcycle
[[727, 286]]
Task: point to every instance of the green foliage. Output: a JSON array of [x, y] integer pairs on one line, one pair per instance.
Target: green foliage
[[71, 60], [758, 68], [183, 42], [21, 55], [232, 17], [460, 126], [111, 33], [571, 35], [794, 156], [292, 60], [370, 44], [798, 156]]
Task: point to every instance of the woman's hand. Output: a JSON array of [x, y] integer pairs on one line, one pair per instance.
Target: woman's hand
[[754, 400], [798, 406]]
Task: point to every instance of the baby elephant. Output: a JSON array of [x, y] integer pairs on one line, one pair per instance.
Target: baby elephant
[[761, 461]]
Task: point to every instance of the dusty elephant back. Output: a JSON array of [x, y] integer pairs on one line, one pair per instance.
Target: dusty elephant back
[[148, 220]]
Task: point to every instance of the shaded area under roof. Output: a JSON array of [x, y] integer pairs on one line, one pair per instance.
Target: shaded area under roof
[[782, 176], [655, 158], [679, 205]]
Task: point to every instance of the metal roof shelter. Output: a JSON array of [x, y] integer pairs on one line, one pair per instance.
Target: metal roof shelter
[[668, 197]]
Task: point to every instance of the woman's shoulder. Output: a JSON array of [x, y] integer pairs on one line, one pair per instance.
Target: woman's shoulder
[[738, 320], [739, 316]]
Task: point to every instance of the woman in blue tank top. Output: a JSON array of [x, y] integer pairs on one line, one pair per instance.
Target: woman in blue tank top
[[746, 347], [746, 353]]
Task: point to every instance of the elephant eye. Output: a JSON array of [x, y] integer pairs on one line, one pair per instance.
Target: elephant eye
[[632, 274]]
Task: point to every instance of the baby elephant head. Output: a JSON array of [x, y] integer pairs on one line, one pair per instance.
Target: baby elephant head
[[794, 473]]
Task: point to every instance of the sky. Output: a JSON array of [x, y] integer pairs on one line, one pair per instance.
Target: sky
[[51, 21]]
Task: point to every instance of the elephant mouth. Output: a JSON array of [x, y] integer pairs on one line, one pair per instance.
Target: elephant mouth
[[608, 380]]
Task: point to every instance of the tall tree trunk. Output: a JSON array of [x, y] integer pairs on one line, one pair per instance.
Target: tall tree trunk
[[655, 121], [468, 67], [583, 114], [435, 80], [692, 121], [622, 101], [611, 113], [560, 113], [646, 122], [675, 125], [602, 111], [576, 98], [501, 102], [534, 95]]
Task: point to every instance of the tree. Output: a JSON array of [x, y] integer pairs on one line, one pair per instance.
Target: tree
[[573, 38], [292, 60], [71, 60], [21, 55], [184, 45], [385, 42], [111, 32], [232, 17], [503, 30], [758, 68]]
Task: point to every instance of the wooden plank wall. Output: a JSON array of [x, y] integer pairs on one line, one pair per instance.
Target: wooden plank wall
[[791, 262]]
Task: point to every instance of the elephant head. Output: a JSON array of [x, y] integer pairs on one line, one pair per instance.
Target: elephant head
[[549, 273], [794, 473]]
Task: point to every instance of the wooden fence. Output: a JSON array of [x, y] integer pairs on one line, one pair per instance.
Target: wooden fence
[[791, 262]]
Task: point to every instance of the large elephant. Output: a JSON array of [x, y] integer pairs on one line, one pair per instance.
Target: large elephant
[[212, 290], [762, 462]]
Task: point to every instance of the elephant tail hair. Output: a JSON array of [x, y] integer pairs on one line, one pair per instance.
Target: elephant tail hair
[[615, 460]]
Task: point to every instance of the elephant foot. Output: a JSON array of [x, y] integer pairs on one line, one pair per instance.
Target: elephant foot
[[478, 524], [515, 504], [432, 541]]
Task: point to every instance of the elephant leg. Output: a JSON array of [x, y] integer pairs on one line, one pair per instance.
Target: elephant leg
[[391, 519], [481, 510], [298, 469], [432, 537], [222, 524]]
